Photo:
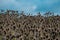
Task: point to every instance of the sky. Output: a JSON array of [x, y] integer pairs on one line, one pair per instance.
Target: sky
[[31, 6]]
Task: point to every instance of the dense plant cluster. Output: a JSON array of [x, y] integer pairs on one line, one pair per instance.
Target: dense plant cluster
[[27, 27]]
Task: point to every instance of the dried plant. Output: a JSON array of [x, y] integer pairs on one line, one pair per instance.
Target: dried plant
[[29, 27]]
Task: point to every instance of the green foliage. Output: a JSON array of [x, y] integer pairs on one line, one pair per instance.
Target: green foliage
[[1, 37], [14, 39]]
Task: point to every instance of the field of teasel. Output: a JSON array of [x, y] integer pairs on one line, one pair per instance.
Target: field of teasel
[[27, 27]]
